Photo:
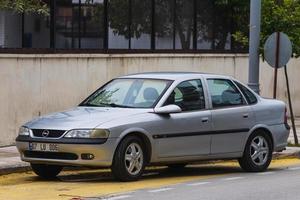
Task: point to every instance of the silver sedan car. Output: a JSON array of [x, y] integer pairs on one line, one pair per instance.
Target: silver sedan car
[[170, 118]]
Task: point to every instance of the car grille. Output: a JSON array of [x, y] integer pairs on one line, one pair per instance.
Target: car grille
[[52, 133], [50, 155]]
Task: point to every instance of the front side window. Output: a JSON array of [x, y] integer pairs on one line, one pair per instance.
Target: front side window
[[223, 93], [131, 93], [188, 95]]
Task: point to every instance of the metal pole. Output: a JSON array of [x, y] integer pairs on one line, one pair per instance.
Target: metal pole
[[279, 2], [255, 13], [105, 24], [79, 25], [291, 106], [276, 64], [52, 23], [23, 29]]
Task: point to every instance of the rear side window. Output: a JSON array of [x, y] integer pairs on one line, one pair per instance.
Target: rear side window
[[224, 93], [251, 98]]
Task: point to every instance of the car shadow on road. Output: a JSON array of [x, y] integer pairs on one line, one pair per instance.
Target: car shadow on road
[[151, 173]]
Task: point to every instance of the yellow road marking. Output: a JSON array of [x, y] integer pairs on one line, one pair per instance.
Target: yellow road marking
[[95, 183]]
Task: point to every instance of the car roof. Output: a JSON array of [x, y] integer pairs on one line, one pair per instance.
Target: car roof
[[174, 75]]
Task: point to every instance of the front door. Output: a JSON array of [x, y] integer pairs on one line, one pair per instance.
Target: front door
[[184, 134]]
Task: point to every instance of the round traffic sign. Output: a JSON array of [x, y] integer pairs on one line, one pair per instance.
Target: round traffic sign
[[284, 51]]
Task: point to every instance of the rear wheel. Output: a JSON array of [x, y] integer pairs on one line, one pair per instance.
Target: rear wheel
[[46, 171], [258, 153], [129, 160]]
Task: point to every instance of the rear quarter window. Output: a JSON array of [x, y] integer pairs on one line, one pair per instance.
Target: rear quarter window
[[251, 98]]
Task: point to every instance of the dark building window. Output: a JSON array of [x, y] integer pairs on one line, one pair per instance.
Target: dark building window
[[118, 24], [36, 31], [164, 24], [92, 24], [67, 24], [205, 24], [10, 30], [184, 24], [130, 25], [141, 24], [222, 26]]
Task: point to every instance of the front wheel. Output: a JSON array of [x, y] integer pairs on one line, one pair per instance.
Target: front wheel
[[46, 171], [258, 153], [129, 159]]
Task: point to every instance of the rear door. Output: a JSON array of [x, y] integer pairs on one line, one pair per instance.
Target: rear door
[[232, 117]]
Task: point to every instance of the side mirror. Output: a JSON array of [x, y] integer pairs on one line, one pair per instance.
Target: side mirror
[[167, 109]]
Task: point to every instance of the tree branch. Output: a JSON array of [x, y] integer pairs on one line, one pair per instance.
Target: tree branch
[[25, 6]]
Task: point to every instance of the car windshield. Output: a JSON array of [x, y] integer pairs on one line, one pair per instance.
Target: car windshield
[[128, 93]]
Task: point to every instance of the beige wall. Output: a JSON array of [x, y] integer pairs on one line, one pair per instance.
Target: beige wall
[[33, 85]]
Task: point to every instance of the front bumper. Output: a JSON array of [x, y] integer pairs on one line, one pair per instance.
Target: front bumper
[[69, 152]]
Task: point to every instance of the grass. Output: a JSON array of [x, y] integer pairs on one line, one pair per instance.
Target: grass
[[293, 145]]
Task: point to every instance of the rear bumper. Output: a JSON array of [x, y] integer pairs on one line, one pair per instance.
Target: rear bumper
[[69, 154], [280, 133]]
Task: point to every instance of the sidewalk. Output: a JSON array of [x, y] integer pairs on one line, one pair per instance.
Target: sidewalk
[[297, 124], [10, 161]]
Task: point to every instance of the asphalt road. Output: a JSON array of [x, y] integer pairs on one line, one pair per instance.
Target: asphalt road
[[224, 180], [277, 184]]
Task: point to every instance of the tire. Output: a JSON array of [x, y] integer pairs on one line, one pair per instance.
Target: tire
[[129, 159], [46, 171], [257, 158]]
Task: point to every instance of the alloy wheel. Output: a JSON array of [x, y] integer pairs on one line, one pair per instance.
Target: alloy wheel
[[259, 150], [134, 159]]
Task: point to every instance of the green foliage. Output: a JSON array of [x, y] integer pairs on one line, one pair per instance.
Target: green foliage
[[25, 6], [284, 17], [231, 16], [240, 37], [118, 17]]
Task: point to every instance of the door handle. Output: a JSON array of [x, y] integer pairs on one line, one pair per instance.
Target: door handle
[[245, 115], [204, 119]]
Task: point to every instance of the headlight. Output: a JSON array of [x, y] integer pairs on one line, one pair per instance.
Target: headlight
[[24, 131], [85, 133]]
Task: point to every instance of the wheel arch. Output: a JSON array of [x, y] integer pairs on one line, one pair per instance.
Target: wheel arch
[[263, 128], [143, 135]]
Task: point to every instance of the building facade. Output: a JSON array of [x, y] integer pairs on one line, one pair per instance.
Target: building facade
[[51, 63]]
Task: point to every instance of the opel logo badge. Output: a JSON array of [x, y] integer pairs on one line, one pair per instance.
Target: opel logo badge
[[45, 133]]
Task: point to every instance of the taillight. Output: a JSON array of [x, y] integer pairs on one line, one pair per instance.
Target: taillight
[[285, 116]]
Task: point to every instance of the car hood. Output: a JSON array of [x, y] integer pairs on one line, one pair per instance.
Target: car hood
[[81, 117]]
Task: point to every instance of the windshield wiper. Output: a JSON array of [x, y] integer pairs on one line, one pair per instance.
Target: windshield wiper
[[89, 105], [117, 105], [114, 105]]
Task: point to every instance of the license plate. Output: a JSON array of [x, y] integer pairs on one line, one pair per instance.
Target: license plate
[[43, 147]]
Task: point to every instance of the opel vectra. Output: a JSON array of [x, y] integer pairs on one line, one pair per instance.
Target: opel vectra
[[170, 118]]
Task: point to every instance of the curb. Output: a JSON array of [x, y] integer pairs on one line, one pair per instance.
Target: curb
[[280, 155], [14, 169]]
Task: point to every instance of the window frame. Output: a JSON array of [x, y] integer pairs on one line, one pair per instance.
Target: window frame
[[204, 95], [245, 102]]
